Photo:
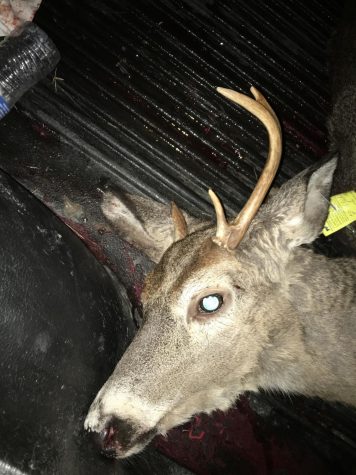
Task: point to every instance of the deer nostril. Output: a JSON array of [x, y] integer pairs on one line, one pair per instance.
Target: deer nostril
[[108, 439], [120, 435]]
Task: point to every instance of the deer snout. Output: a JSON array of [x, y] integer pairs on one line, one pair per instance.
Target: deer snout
[[118, 435], [120, 438]]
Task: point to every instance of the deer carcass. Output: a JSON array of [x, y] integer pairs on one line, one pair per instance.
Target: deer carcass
[[233, 306]]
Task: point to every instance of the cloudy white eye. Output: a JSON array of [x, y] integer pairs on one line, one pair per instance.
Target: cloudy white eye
[[210, 303]]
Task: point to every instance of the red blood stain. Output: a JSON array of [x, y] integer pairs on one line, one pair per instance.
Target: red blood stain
[[83, 233], [137, 285]]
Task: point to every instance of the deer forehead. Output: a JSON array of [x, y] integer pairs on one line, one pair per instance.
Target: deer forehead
[[184, 272]]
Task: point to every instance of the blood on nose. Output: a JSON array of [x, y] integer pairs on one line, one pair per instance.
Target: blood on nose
[[109, 439], [109, 436]]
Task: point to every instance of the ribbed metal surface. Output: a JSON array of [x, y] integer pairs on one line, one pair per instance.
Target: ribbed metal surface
[[139, 83]]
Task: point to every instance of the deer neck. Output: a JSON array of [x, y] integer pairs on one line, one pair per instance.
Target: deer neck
[[318, 308]]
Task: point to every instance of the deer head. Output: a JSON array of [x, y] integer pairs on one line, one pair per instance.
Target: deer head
[[220, 308]]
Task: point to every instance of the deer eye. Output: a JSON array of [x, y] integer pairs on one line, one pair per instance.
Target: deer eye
[[210, 303]]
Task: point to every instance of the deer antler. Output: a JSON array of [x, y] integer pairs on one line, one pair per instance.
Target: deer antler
[[230, 235]]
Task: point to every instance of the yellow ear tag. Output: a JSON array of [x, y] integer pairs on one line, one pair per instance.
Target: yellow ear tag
[[342, 212]]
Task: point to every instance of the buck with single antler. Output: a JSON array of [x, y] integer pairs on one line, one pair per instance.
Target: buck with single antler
[[231, 307]]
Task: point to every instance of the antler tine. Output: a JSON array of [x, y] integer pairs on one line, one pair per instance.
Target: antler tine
[[262, 100], [261, 109], [222, 226], [180, 224]]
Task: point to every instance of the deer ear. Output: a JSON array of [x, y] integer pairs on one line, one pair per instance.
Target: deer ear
[[301, 205], [145, 223]]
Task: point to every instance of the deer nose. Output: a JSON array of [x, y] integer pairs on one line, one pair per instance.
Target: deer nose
[[120, 437], [116, 437]]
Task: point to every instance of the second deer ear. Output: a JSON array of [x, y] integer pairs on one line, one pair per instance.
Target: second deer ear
[[298, 211], [148, 225]]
